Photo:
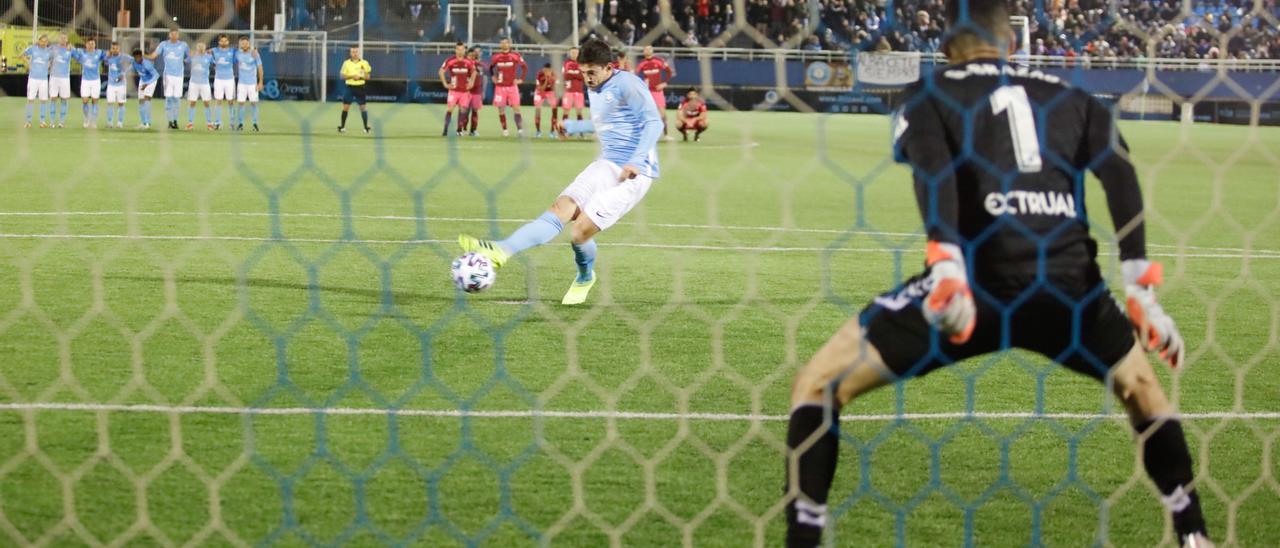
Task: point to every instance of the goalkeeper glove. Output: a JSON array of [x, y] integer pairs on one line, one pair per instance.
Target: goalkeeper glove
[[949, 306], [1156, 331]]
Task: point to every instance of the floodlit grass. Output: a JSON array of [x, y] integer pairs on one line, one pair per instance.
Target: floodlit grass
[[299, 268]]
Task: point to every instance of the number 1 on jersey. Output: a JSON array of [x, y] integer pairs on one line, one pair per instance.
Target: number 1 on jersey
[[1022, 125]]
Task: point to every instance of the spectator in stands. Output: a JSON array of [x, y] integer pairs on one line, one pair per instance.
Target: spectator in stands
[[543, 26]]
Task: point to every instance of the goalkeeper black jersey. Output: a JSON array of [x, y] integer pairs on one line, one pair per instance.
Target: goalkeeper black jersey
[[998, 154]]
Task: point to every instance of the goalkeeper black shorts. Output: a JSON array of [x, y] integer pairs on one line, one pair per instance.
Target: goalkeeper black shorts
[[1084, 331]]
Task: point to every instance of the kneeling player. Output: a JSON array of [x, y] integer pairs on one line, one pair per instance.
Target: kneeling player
[[692, 115], [610, 186], [1012, 224]]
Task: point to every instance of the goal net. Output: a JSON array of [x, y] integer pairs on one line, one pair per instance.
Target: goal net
[[251, 338]]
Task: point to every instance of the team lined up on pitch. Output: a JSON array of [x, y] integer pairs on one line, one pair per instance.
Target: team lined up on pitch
[[237, 80]]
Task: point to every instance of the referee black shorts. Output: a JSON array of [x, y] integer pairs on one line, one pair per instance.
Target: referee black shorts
[[1085, 332], [355, 94]]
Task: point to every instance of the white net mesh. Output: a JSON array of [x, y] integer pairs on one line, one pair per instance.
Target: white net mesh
[[249, 338]]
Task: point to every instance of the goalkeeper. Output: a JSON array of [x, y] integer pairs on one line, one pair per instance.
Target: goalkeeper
[[1009, 263]]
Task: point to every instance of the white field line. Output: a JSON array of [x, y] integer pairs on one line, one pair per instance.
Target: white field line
[[688, 247], [617, 415], [798, 230]]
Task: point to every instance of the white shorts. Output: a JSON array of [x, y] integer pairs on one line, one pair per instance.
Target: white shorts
[[37, 89], [173, 86], [224, 90], [146, 91], [90, 89], [601, 197], [117, 94], [247, 93], [198, 92], [60, 88]]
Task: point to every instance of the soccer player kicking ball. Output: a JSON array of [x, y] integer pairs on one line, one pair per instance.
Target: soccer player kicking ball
[[628, 125], [1005, 218], [355, 70], [692, 115], [147, 79], [90, 59], [38, 56]]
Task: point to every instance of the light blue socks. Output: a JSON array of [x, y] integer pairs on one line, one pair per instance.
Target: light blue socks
[[535, 233]]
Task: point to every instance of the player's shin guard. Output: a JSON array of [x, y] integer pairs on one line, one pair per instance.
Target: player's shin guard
[[207, 118], [44, 111], [537, 121], [448, 121], [813, 446], [584, 255], [475, 119], [502, 117], [535, 233], [342, 122], [1168, 462], [364, 117], [84, 110], [255, 114], [519, 122], [64, 108], [30, 110]]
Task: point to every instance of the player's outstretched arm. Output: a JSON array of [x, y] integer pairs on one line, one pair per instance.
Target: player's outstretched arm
[[919, 139], [1105, 154]]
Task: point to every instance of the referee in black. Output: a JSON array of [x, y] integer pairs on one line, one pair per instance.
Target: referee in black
[[354, 71]]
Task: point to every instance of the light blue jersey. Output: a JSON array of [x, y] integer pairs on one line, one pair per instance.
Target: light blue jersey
[[117, 68], [200, 68], [247, 66], [174, 55], [90, 63], [60, 61], [146, 71], [39, 63], [626, 121], [224, 63]]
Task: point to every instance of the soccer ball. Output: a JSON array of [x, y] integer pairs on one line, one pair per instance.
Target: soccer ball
[[473, 273]]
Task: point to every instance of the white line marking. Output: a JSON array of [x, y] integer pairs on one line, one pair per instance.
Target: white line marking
[[690, 247], [618, 415], [1236, 250]]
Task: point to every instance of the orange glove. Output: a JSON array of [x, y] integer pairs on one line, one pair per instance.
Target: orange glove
[[949, 306], [1156, 330]]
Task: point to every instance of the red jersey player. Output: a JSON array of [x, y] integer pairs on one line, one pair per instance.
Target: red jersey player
[[508, 70], [656, 73], [477, 89], [458, 75], [544, 91], [573, 89], [692, 115]]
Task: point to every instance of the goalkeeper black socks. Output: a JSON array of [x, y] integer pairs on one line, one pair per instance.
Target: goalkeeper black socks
[[364, 116], [343, 123], [816, 467], [1168, 462]]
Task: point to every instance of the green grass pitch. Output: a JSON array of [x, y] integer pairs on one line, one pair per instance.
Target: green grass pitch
[[157, 284]]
